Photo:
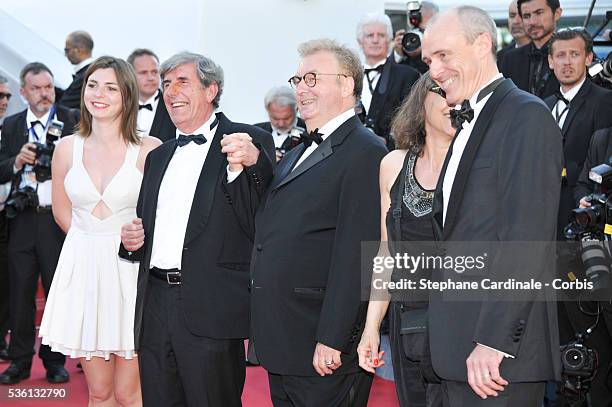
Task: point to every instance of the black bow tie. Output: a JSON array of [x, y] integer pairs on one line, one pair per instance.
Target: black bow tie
[[35, 122], [147, 106], [183, 140], [559, 96], [378, 69], [308, 138], [458, 117]]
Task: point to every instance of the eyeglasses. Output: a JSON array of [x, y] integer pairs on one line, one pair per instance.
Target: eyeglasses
[[5, 95], [438, 91], [310, 79]]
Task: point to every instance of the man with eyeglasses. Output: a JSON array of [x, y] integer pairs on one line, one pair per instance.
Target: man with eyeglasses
[[5, 96], [306, 308], [78, 48]]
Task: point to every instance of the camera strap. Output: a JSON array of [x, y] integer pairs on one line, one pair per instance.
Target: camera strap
[[33, 133]]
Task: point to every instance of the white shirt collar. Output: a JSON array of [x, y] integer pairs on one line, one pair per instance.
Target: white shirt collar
[[381, 62], [203, 129], [82, 64], [332, 125], [570, 94], [479, 105], [31, 117]]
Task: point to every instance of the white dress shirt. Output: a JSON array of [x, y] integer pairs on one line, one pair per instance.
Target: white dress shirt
[[82, 64], [366, 94], [146, 116], [175, 198], [561, 109], [28, 177], [325, 131], [458, 148]]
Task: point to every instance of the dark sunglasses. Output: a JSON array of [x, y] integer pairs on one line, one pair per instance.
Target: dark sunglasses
[[5, 95], [438, 90]]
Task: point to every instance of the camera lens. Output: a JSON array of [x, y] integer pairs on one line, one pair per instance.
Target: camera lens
[[573, 358]]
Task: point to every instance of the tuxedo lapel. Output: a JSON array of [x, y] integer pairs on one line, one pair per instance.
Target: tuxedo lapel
[[575, 106], [207, 183], [438, 203], [469, 154], [286, 164], [380, 92]]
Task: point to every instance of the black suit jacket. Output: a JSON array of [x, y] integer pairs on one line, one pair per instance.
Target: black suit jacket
[[506, 189], [392, 87], [15, 135], [502, 52], [306, 263], [217, 245], [590, 110], [72, 95], [162, 126], [515, 65], [289, 142]]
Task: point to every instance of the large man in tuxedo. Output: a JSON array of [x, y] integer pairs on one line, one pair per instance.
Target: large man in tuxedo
[[500, 183], [579, 108], [385, 84], [35, 240], [192, 306], [528, 66], [307, 314], [153, 117], [78, 48]]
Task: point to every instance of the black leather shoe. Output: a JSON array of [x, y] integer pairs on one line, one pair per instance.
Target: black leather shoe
[[57, 374], [15, 373]]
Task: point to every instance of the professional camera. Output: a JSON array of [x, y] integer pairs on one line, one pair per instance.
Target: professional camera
[[578, 366], [44, 152], [411, 41], [21, 199], [593, 222]]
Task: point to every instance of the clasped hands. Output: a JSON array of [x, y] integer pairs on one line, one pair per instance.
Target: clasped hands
[[240, 150]]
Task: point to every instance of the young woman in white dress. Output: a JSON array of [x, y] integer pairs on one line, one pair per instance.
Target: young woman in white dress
[[96, 181]]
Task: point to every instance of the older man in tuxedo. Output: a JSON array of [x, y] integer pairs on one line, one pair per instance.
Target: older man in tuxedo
[[194, 245], [307, 313], [500, 183]]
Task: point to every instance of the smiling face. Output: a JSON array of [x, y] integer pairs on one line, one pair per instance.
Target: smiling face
[[102, 96], [147, 76], [329, 97], [188, 101], [38, 90], [437, 115], [569, 61], [374, 42], [454, 64]]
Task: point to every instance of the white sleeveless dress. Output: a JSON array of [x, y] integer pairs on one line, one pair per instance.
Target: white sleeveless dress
[[90, 308]]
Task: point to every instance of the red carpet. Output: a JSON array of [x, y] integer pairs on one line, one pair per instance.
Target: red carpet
[[256, 392]]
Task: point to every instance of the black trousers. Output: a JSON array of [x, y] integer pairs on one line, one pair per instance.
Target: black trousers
[[573, 319], [34, 245], [460, 394], [4, 278], [178, 368], [407, 353], [349, 390]]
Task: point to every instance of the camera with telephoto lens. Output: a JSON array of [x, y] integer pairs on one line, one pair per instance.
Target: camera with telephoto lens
[[20, 200], [411, 41], [44, 151]]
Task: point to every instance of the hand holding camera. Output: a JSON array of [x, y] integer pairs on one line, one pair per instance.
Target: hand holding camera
[[27, 155]]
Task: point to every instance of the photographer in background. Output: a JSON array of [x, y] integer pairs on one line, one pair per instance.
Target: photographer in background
[[35, 239], [409, 52], [385, 84]]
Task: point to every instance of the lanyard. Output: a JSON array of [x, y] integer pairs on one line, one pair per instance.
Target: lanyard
[[49, 119]]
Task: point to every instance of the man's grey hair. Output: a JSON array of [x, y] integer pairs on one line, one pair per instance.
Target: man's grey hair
[[347, 59], [208, 71], [282, 96], [374, 18], [474, 21], [3, 79]]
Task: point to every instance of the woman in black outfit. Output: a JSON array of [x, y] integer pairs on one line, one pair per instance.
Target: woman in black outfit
[[408, 178]]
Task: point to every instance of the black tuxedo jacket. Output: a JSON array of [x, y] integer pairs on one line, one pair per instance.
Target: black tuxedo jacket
[[289, 142], [502, 52], [15, 135], [515, 65], [392, 87], [217, 246], [162, 126], [306, 263], [506, 189], [590, 110], [72, 95]]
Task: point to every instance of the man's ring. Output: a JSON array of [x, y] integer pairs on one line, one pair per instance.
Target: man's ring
[[329, 362]]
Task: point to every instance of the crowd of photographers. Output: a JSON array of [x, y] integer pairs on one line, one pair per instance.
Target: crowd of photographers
[[549, 63]]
